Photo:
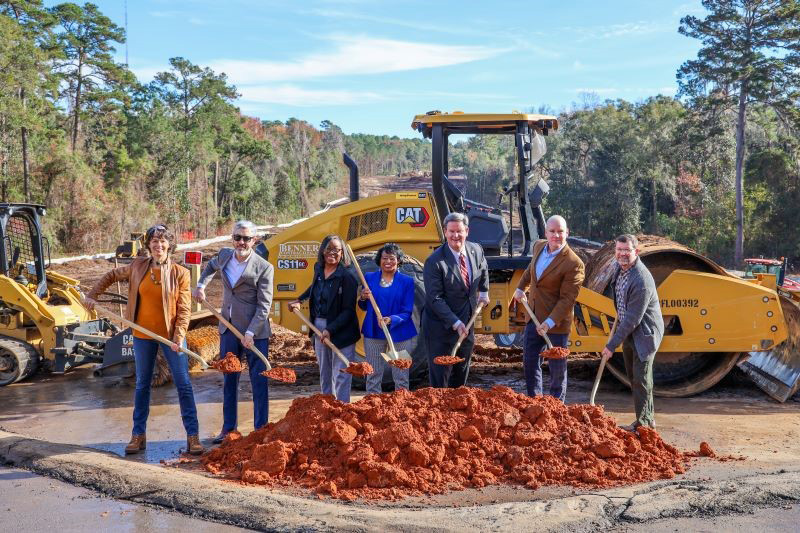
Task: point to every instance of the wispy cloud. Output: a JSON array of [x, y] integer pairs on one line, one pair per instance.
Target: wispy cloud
[[401, 23], [353, 56], [595, 90], [616, 31], [164, 14], [689, 9], [300, 97]]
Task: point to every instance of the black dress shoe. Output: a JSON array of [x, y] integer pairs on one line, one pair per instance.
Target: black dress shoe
[[221, 437]]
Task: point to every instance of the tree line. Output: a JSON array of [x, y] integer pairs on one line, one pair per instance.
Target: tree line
[[716, 168], [108, 154]]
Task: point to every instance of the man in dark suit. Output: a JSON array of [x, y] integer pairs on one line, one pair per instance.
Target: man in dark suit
[[555, 275], [246, 303], [639, 326], [456, 280]]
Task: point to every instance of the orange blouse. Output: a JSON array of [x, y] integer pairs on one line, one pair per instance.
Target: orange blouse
[[150, 308]]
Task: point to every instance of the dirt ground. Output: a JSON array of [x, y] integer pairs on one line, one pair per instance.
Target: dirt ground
[[734, 417]]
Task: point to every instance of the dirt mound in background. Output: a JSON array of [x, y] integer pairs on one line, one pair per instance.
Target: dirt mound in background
[[433, 440]]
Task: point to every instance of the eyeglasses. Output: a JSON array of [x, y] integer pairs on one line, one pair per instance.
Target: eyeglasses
[[244, 238], [332, 251], [159, 227]]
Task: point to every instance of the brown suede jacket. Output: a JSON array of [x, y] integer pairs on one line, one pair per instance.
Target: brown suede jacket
[[553, 295], [174, 293]]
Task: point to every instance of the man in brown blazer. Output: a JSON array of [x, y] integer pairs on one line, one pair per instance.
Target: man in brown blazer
[[555, 276]]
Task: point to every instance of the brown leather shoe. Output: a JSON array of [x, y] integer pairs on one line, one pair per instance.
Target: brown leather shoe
[[193, 445], [137, 444]]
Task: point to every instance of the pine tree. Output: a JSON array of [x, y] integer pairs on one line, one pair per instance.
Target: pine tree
[[750, 53]]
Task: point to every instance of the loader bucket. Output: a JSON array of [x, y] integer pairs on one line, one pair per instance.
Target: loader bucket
[[777, 371]]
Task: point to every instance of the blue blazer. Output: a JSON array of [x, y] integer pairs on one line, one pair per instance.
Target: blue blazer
[[396, 301]]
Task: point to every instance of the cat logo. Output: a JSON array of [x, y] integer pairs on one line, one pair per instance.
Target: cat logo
[[416, 217]]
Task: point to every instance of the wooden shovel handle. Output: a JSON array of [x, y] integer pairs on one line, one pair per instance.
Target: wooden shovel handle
[[156, 336], [469, 325], [374, 303], [318, 333], [535, 321], [602, 367], [236, 332]]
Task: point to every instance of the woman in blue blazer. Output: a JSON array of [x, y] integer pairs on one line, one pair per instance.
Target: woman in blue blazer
[[394, 294]]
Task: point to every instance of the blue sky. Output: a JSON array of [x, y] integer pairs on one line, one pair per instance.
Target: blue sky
[[370, 65]]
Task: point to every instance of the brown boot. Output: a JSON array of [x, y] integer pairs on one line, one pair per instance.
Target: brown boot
[[193, 445], [137, 444]]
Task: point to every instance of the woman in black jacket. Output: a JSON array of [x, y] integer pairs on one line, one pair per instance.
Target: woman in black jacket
[[332, 306]]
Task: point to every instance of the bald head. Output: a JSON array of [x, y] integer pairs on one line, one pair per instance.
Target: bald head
[[556, 232], [557, 220]]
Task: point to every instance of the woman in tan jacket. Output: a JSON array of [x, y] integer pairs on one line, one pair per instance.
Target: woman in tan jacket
[[158, 300]]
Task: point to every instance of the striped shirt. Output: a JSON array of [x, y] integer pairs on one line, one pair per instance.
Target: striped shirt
[[622, 286]]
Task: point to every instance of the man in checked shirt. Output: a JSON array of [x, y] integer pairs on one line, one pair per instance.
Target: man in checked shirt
[[640, 326]]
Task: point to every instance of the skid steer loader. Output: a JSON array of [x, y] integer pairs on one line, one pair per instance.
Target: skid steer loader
[[42, 320], [714, 320]]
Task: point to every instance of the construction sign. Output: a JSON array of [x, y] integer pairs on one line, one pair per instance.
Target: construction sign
[[416, 217]]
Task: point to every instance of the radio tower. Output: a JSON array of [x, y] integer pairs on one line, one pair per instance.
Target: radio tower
[[126, 33]]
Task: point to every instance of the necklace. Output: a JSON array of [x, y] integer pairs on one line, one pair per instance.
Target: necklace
[[385, 283], [153, 275]]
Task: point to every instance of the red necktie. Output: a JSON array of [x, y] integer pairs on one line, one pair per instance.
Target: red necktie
[[464, 271]]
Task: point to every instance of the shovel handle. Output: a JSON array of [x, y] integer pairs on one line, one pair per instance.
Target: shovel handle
[[374, 303], [236, 332], [600, 370], [318, 333], [157, 337], [469, 325], [535, 321]]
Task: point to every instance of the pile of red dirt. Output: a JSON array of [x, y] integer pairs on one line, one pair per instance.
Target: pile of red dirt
[[434, 440], [447, 360], [360, 369], [402, 364], [228, 364], [556, 352], [278, 373]]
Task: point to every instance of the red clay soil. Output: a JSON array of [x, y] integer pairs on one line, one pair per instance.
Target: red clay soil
[[430, 441], [402, 364], [286, 375], [706, 450], [556, 352], [447, 360], [228, 365], [359, 369]]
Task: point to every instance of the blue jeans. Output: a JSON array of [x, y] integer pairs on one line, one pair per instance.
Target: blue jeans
[[532, 363], [259, 384], [144, 352]]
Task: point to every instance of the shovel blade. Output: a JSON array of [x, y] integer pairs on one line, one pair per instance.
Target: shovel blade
[[386, 357], [403, 354]]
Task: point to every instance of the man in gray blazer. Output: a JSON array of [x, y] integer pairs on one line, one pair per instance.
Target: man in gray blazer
[[456, 280], [246, 302], [640, 326]]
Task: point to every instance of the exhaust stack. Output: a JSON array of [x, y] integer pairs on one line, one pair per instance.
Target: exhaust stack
[[354, 196]]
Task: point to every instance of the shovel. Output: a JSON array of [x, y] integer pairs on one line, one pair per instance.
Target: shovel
[[550, 351], [357, 369], [279, 374], [157, 337], [451, 359], [600, 370], [403, 354]]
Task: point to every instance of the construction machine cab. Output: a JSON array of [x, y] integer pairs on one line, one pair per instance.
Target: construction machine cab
[[487, 225], [22, 256]]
